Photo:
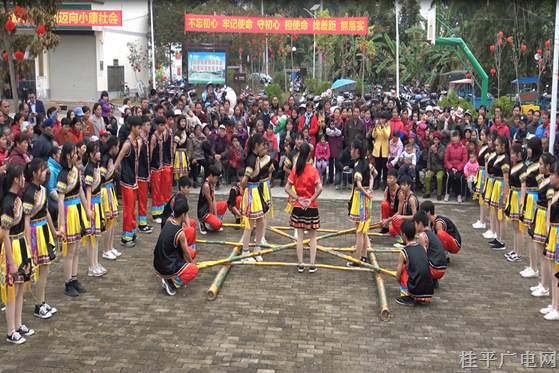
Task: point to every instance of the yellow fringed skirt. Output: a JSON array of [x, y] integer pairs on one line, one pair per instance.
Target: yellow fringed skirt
[[488, 190], [529, 208], [77, 223], [180, 164], [512, 210], [253, 205], [97, 225], [360, 207], [551, 244], [21, 256], [479, 185], [43, 249], [109, 201], [497, 197], [539, 226]]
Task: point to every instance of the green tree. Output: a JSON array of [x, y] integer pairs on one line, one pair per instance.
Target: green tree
[[38, 14]]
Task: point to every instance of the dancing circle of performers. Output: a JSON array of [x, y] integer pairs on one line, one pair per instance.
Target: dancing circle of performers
[[518, 186]]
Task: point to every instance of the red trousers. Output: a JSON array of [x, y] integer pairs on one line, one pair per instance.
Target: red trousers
[[437, 273], [190, 232], [143, 188], [395, 227], [129, 197], [449, 243], [214, 222], [385, 210], [167, 181], [158, 200], [188, 272]]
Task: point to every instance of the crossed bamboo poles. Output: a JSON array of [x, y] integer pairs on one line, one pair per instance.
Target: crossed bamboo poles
[[235, 259]]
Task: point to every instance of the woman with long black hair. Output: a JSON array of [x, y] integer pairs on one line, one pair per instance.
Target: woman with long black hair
[[73, 211], [41, 230], [253, 205], [303, 187], [16, 265], [500, 170]]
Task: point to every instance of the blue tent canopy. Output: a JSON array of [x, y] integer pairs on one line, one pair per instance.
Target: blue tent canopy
[[526, 80]]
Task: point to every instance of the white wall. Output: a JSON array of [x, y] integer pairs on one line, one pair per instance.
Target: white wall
[[112, 41]]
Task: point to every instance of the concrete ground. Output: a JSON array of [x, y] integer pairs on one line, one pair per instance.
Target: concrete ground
[[276, 320]]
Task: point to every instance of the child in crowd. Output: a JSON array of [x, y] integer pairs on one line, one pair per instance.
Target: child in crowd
[[408, 161], [470, 171], [173, 259], [322, 154], [413, 273]]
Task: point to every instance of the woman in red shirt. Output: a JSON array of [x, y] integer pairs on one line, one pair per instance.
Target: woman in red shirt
[[303, 188]]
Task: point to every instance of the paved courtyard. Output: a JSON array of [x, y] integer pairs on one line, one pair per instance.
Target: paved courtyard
[[276, 320]]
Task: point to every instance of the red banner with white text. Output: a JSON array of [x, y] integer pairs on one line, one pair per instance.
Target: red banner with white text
[[276, 25]]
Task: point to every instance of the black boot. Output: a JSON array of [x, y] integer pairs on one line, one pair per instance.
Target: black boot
[[70, 290], [78, 286]]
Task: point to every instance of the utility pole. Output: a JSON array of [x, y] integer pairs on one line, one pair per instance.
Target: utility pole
[[153, 82], [396, 5], [553, 123]]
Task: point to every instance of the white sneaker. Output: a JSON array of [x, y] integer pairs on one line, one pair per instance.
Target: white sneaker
[[459, 199], [489, 234], [553, 315], [546, 310], [529, 273], [116, 252], [109, 255], [93, 272], [264, 241], [102, 270], [537, 287], [249, 259], [446, 197], [157, 220], [540, 293], [478, 225], [259, 258]]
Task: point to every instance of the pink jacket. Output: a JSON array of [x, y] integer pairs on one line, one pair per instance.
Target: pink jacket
[[322, 151], [455, 156], [470, 169]]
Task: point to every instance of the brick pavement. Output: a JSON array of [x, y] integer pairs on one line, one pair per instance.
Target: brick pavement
[[275, 320]]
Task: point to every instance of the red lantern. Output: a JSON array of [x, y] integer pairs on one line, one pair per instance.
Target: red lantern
[[509, 39], [41, 29], [5, 56], [468, 75], [523, 48], [493, 71], [500, 34], [539, 51], [20, 12], [492, 48], [19, 55], [500, 41], [9, 26], [548, 43]]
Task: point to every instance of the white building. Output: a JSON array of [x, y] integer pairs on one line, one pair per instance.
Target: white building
[[89, 60]]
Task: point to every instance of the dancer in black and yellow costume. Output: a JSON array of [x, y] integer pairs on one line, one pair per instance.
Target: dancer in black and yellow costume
[[488, 183], [513, 205], [92, 181], [109, 200], [267, 169], [16, 264], [500, 170], [180, 162], [41, 232], [529, 200], [484, 149], [253, 204], [72, 217], [360, 203], [539, 231], [551, 312]]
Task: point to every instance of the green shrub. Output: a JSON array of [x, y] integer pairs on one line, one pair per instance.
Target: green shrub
[[274, 89], [506, 103], [454, 101], [316, 87]]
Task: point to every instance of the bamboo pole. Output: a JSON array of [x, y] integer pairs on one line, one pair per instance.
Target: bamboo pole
[[327, 230], [219, 279], [356, 261], [281, 233], [384, 311], [325, 266], [272, 249]]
